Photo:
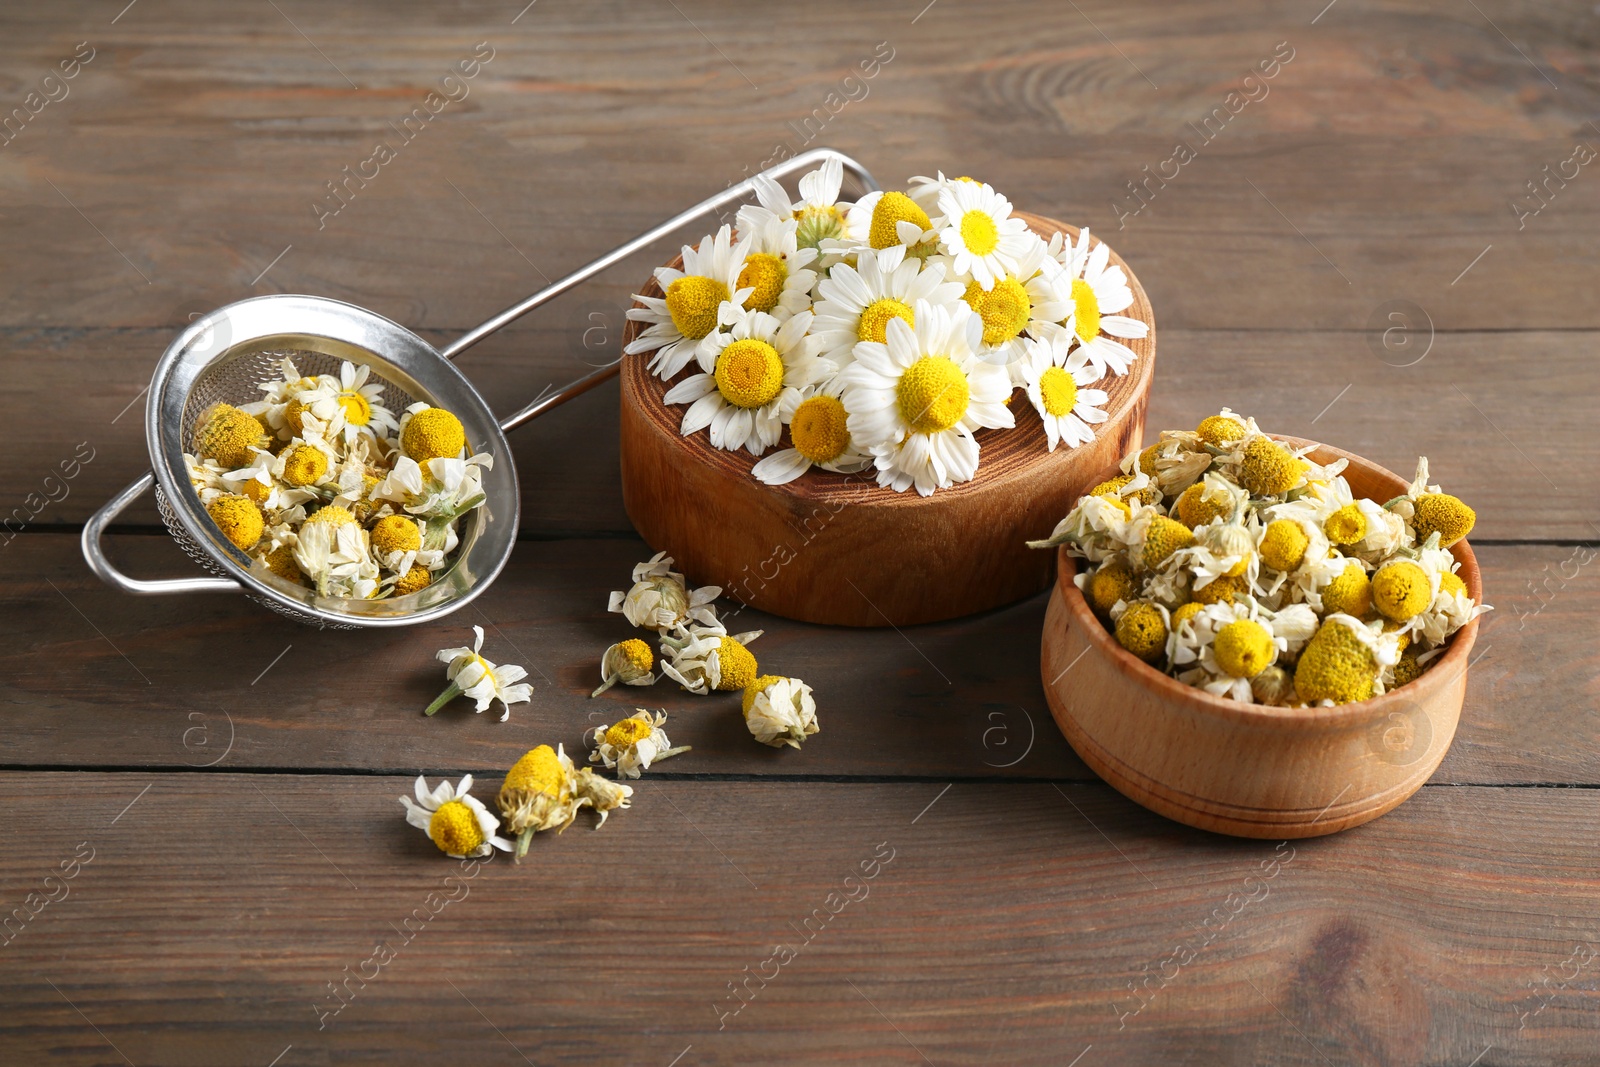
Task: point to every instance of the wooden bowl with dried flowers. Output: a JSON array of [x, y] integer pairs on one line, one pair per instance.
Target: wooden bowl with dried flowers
[[1242, 768], [834, 546]]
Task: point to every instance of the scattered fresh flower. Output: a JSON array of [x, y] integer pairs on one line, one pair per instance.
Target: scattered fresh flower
[[474, 677], [454, 819]]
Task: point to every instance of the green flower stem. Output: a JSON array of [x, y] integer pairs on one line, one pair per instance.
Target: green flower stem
[[451, 692], [522, 843]]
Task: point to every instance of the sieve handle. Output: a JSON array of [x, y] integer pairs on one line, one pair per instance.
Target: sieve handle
[[94, 552], [711, 203]]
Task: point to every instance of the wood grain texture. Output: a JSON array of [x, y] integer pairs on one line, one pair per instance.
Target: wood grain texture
[[840, 550], [1245, 769], [1015, 926]]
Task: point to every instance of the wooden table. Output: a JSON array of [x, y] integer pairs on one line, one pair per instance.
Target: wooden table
[[223, 784]]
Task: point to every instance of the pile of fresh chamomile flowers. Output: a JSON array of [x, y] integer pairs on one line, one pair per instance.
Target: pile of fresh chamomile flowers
[[1239, 566]]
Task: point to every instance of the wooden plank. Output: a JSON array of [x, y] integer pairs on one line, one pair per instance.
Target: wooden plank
[[166, 676], [197, 142], [1495, 427], [1475, 940]]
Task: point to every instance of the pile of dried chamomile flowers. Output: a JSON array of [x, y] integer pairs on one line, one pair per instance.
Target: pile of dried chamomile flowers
[[1238, 565], [697, 652], [321, 485]]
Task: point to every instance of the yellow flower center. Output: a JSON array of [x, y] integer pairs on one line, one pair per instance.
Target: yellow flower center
[[293, 415], [629, 732], [1217, 430], [226, 434], [1005, 309], [280, 561], [1283, 546], [238, 518], [874, 325], [304, 465], [933, 394], [538, 771], [1185, 612], [818, 224], [979, 232], [1194, 510], [637, 654], [749, 373], [1223, 590], [1401, 590], [256, 490], [418, 577], [1243, 648], [1336, 666], [818, 429], [1349, 594], [1112, 582], [1058, 391], [396, 533], [1086, 311], [1268, 468], [454, 828], [1452, 584], [755, 689], [890, 209], [1164, 537], [1445, 515], [332, 515], [1147, 460], [765, 274], [1345, 526], [357, 409], [433, 433], [692, 302], [736, 665], [1142, 631]]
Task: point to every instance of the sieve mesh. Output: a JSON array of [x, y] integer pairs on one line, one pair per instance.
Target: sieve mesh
[[237, 381]]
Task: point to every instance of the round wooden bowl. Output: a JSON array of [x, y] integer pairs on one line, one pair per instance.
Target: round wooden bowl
[[838, 549], [1246, 769]]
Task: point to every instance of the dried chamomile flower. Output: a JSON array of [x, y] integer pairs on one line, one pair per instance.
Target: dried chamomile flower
[[1427, 510], [1141, 628], [474, 677], [539, 793], [229, 435], [1344, 661], [660, 601], [779, 711], [703, 660], [631, 745], [454, 819], [601, 794], [628, 662]]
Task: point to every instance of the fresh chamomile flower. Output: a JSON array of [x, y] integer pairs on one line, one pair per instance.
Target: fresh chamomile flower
[[818, 214], [454, 819], [359, 402], [1025, 301], [1057, 378], [855, 303], [819, 436], [979, 234], [776, 270], [703, 660], [539, 793], [779, 711], [689, 310], [915, 400], [925, 190], [1097, 290], [884, 219], [628, 662], [748, 372], [474, 677], [660, 600], [631, 745]]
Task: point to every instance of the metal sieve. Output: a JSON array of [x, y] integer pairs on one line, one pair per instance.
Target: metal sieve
[[226, 354]]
